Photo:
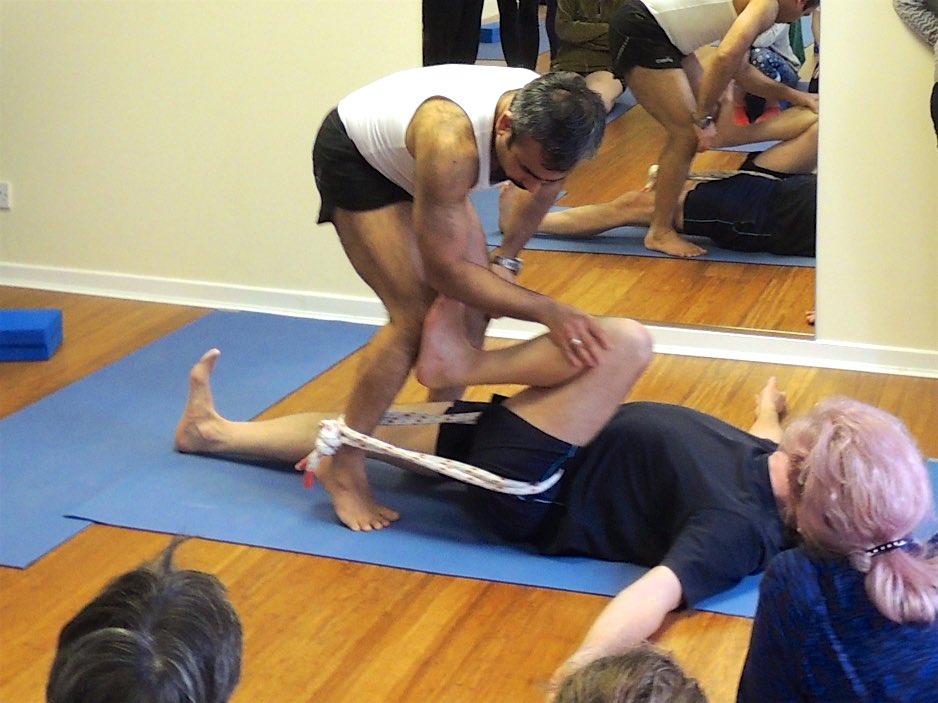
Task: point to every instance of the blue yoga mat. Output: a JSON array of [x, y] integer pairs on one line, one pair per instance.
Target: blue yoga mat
[[119, 422], [267, 507], [624, 241]]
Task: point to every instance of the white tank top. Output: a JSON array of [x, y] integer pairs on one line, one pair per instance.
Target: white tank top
[[691, 24], [376, 116]]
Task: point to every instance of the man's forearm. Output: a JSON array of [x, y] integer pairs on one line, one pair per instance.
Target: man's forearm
[[478, 287]]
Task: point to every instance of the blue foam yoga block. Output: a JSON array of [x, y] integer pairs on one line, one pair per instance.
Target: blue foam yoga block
[[29, 335], [489, 34]]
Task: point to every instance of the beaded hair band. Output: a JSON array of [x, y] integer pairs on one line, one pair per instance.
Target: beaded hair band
[[888, 547]]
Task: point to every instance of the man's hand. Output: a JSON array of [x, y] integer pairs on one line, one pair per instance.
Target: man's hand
[[705, 137], [577, 335]]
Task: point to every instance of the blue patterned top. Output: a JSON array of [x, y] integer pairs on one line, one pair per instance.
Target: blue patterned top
[[817, 637]]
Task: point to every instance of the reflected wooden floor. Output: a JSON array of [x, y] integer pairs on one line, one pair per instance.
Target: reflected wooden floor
[[331, 631], [658, 290]]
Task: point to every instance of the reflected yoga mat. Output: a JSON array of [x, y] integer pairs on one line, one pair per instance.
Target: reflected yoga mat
[[118, 423], [624, 241]]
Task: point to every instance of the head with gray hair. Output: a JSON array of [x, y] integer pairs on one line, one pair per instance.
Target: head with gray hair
[[563, 115], [643, 674], [153, 635]]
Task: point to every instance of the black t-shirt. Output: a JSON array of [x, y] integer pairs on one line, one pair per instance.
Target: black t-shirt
[[661, 484]]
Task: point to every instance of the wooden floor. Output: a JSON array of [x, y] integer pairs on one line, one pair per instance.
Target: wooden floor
[[325, 630], [769, 299]]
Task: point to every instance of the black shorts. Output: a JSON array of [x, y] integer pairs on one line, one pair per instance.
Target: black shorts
[[507, 445], [344, 178], [752, 213], [733, 212], [636, 39]]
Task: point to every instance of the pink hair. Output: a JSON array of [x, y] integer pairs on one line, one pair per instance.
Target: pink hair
[[858, 481]]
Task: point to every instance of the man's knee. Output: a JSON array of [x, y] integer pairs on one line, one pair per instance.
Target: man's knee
[[630, 339]]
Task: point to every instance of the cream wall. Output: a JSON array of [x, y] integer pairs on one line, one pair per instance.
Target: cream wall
[[161, 149], [172, 139], [878, 193]]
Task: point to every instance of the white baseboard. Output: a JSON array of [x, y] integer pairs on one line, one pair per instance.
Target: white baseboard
[[708, 343]]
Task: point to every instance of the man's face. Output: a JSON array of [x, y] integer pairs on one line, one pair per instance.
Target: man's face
[[521, 160]]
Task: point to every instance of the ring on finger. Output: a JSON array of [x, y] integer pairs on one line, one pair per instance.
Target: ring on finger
[[576, 342]]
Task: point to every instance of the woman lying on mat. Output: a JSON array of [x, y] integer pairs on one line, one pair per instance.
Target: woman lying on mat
[[852, 614], [772, 208], [699, 501]]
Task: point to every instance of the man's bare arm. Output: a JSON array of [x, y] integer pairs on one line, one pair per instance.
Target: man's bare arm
[[525, 215], [730, 56], [452, 243]]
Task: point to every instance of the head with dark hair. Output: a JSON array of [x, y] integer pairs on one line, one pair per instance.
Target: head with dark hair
[[559, 112], [153, 635], [643, 674], [859, 487]]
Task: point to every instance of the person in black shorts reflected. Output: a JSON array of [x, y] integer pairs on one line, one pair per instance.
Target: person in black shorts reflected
[[653, 43], [770, 205]]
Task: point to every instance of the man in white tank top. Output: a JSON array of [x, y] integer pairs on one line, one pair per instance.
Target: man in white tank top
[[395, 164], [652, 43]]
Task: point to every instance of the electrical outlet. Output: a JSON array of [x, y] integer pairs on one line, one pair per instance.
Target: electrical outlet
[[4, 195]]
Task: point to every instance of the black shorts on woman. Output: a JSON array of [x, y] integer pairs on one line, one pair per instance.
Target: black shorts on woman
[[636, 39]]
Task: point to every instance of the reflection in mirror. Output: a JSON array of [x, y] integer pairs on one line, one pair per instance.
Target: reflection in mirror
[[668, 291]]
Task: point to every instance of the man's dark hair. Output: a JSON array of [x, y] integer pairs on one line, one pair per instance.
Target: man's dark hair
[[561, 113], [153, 635]]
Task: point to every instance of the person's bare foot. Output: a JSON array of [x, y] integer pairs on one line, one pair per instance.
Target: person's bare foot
[[445, 353], [771, 406], [770, 401], [343, 476], [810, 316], [671, 243], [198, 428]]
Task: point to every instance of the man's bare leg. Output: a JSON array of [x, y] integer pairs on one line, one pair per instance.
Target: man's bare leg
[[790, 124], [290, 438], [382, 248], [447, 358], [571, 404], [771, 406], [667, 96], [630, 208], [797, 155]]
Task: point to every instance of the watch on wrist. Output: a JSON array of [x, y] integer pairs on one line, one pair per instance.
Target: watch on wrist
[[705, 121], [513, 265]]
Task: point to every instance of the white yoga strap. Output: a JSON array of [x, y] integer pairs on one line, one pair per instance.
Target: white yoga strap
[[334, 433]]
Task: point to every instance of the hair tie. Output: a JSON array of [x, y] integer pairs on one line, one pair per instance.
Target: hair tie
[[887, 547]]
